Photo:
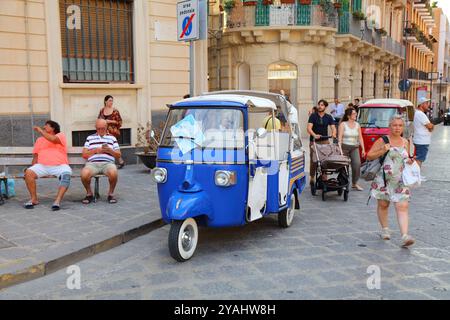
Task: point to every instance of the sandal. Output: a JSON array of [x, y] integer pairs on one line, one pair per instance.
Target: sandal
[[30, 205], [88, 199], [111, 199]]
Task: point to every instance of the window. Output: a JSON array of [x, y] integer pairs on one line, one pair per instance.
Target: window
[[97, 40], [207, 128]]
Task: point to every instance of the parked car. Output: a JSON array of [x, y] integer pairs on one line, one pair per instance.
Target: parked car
[[447, 118], [374, 115]]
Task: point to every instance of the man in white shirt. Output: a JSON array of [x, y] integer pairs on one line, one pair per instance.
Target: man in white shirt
[[337, 110], [422, 130], [101, 150]]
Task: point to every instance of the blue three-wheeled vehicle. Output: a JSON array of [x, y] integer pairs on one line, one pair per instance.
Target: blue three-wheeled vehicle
[[225, 160]]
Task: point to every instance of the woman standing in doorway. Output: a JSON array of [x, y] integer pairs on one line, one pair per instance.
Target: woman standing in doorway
[[388, 184], [350, 137], [113, 119]]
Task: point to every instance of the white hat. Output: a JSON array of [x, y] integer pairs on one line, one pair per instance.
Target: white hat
[[422, 100]]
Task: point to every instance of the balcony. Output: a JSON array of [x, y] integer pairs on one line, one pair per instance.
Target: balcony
[[285, 15], [359, 29], [414, 74], [393, 46], [285, 23]]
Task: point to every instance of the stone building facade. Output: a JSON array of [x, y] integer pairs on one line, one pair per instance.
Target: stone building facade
[[60, 58], [311, 51]]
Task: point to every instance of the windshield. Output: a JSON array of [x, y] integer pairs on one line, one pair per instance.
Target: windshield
[[375, 117], [205, 128]]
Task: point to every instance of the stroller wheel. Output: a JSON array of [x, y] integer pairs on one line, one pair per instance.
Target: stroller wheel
[[313, 189], [346, 195], [324, 191]]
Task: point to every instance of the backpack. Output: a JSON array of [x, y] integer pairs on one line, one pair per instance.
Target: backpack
[[370, 169]]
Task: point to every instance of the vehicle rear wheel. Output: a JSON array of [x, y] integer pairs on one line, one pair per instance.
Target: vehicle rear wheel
[[286, 216], [183, 238]]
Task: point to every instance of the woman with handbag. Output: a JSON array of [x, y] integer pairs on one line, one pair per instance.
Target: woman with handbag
[[388, 185], [113, 119], [350, 138]]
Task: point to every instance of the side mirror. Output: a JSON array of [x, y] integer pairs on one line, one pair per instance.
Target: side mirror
[[152, 135], [261, 133]]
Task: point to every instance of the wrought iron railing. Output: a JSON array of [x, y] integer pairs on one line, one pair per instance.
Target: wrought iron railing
[[283, 15]]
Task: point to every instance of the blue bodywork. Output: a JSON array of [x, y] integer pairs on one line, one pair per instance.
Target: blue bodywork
[[190, 190]]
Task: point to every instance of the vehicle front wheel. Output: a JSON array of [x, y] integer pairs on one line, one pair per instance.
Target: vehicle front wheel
[[183, 238], [286, 216]]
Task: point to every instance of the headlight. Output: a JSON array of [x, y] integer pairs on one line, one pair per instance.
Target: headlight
[[225, 178], [159, 175]]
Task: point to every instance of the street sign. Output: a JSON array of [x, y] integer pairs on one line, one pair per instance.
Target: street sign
[[404, 85], [188, 18]]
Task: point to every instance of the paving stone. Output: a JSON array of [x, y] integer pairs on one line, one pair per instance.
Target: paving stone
[[325, 254]]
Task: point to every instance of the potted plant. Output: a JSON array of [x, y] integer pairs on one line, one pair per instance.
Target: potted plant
[[359, 15], [327, 7], [228, 5], [305, 2], [337, 5], [267, 2], [149, 143], [287, 1]]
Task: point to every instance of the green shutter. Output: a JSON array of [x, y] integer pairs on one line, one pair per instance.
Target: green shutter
[[303, 14], [356, 5], [261, 14]]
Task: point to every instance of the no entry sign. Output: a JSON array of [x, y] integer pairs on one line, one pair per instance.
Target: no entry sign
[[188, 20]]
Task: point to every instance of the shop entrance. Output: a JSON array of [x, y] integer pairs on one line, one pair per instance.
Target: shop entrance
[[283, 76]]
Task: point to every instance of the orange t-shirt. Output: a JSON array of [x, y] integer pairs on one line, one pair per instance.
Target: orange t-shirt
[[49, 153]]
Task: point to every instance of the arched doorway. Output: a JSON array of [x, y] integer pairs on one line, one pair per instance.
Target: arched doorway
[[243, 77], [283, 75]]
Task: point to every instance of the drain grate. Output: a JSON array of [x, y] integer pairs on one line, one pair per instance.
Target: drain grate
[[5, 243]]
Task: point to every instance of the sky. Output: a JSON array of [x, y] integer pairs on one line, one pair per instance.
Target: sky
[[445, 5]]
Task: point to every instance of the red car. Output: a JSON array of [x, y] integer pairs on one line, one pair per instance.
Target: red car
[[374, 115]]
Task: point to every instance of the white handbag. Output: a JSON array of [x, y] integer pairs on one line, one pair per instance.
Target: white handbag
[[411, 175]]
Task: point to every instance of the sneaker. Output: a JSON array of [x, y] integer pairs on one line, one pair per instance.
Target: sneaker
[[407, 240], [385, 234]]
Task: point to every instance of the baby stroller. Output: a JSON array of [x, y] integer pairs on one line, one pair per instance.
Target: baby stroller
[[331, 161]]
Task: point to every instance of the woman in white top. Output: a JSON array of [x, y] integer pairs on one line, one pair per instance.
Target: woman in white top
[[350, 137]]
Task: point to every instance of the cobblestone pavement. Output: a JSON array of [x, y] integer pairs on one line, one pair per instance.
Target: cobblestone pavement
[[28, 237], [324, 255]]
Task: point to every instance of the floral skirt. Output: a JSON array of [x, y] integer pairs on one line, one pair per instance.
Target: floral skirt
[[394, 191]]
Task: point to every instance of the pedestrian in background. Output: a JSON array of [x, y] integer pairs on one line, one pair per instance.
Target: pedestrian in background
[[422, 130], [388, 184], [356, 104], [113, 119], [350, 138], [318, 124], [337, 110]]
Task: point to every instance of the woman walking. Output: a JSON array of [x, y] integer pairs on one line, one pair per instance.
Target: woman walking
[[388, 185], [113, 119], [350, 138]]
